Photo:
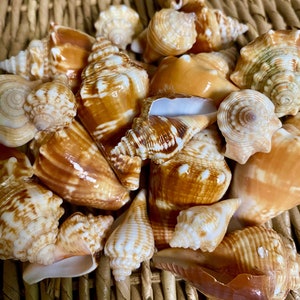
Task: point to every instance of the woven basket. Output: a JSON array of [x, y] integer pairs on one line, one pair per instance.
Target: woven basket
[[24, 20]]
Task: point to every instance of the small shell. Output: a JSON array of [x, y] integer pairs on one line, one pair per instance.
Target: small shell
[[15, 127], [247, 120], [132, 241], [270, 64], [51, 105], [119, 24], [203, 227], [253, 263]]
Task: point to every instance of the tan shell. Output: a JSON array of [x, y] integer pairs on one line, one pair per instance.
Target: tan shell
[[270, 64], [64, 51], [253, 263], [247, 120], [132, 240], [51, 105], [268, 183], [85, 178], [203, 227], [15, 127], [120, 24]]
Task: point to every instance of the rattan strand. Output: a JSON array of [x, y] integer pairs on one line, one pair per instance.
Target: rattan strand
[[24, 20]]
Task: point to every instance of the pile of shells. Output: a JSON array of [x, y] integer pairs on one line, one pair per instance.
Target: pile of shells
[[180, 145]]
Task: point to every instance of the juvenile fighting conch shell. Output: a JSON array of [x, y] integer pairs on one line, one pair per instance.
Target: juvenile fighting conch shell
[[15, 127], [51, 105], [120, 24], [270, 64], [253, 263], [132, 240], [204, 226], [164, 126], [247, 120], [64, 51], [205, 75], [268, 183], [85, 177], [79, 239]]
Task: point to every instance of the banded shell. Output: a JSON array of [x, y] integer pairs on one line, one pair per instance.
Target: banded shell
[[164, 126], [205, 75], [270, 64], [51, 105], [120, 24], [268, 183], [198, 174], [204, 226], [85, 177], [132, 240], [215, 30], [247, 120], [64, 51], [15, 127], [267, 268]]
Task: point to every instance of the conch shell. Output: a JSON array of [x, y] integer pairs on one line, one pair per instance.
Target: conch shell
[[132, 240], [253, 263], [64, 51], [15, 127], [270, 64], [204, 226], [85, 177], [120, 24], [247, 120], [268, 183]]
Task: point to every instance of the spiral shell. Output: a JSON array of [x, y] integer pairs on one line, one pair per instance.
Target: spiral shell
[[247, 120], [253, 263], [132, 240], [270, 64], [120, 24]]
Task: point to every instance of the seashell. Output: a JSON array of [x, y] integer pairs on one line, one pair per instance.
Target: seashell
[[120, 24], [169, 32], [215, 30], [247, 120], [196, 175], [205, 75], [204, 226], [79, 239], [15, 127], [268, 183], [164, 126], [177, 4], [64, 51], [269, 64], [292, 124], [253, 263], [132, 240], [51, 105], [85, 177]]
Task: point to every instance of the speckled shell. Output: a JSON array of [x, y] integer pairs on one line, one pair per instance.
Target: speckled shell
[[15, 127], [198, 174], [51, 105], [215, 30], [205, 75], [85, 178], [268, 183], [247, 120], [64, 51], [204, 226], [132, 240], [120, 24], [253, 263], [270, 64]]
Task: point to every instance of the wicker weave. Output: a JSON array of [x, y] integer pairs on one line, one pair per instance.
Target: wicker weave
[[24, 20]]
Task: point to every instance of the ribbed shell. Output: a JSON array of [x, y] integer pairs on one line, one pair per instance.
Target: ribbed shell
[[132, 241]]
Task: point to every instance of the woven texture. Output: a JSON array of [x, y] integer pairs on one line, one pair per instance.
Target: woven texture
[[24, 20]]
